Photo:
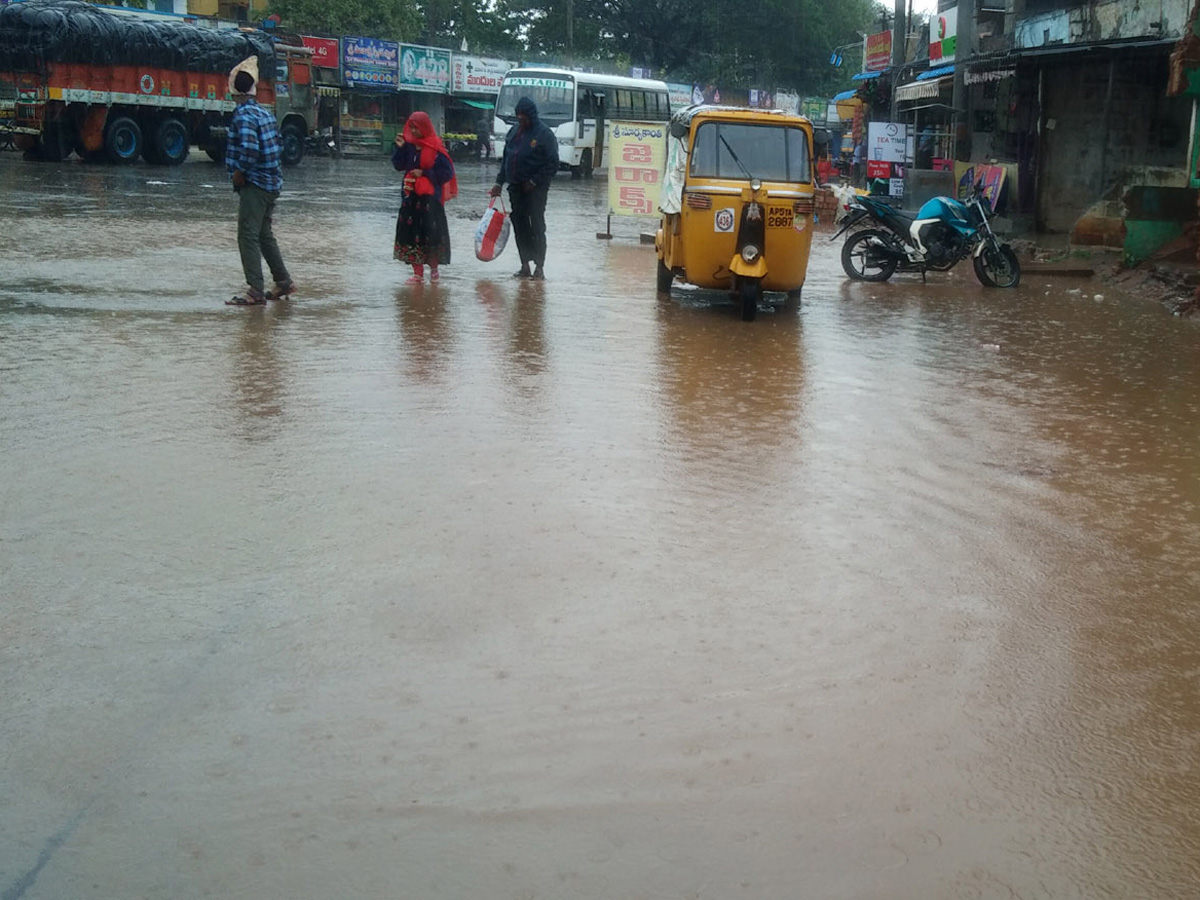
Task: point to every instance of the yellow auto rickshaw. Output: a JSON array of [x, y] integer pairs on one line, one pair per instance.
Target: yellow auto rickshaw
[[737, 203]]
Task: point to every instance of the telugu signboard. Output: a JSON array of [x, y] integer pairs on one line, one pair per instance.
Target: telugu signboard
[[325, 51], [943, 37], [637, 159], [424, 69], [878, 55], [477, 74], [370, 63]]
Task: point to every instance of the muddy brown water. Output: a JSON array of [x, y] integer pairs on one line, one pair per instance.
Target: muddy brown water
[[507, 590]]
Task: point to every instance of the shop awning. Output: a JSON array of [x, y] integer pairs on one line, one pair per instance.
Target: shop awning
[[922, 90], [478, 104], [865, 76], [844, 95], [935, 73]]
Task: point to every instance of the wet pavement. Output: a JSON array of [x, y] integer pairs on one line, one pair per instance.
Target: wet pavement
[[511, 590]]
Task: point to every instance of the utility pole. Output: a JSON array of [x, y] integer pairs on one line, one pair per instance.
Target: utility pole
[[570, 33], [964, 50], [899, 30]]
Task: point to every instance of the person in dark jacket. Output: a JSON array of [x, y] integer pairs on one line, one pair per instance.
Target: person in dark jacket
[[529, 162]]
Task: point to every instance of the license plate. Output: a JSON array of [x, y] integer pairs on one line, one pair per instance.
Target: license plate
[[780, 216]]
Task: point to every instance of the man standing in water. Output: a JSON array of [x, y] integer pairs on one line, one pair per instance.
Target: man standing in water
[[529, 162], [252, 155]]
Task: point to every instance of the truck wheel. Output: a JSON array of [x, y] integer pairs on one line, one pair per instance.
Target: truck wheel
[[216, 152], [123, 140], [291, 145], [57, 141], [170, 142]]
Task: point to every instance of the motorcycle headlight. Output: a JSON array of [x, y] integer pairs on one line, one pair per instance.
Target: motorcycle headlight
[[750, 253]]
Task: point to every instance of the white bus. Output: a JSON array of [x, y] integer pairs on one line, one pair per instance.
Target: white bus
[[576, 105]]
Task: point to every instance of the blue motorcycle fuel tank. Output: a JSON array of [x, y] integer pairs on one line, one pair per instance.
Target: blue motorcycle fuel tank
[[945, 208]]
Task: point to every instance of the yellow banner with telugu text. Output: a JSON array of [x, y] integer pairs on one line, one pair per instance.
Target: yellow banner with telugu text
[[637, 160]]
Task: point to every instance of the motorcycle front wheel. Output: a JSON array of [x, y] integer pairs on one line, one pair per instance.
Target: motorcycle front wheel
[[997, 266], [866, 257]]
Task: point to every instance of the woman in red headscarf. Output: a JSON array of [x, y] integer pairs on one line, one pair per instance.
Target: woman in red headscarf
[[422, 237]]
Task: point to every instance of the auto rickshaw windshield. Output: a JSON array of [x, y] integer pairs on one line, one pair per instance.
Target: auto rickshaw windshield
[[766, 152]]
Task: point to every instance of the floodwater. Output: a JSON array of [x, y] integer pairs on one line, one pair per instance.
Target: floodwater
[[512, 590]]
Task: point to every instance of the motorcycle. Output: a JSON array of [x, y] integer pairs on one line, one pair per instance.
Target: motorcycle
[[943, 233]]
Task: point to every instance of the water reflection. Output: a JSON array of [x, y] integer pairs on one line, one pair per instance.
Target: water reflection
[[426, 330], [732, 389], [258, 373]]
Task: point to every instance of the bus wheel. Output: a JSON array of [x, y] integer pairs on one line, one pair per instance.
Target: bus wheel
[[585, 163], [122, 140]]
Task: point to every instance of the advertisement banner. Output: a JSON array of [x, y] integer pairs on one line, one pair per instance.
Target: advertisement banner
[[325, 51], [370, 63], [943, 37], [477, 74], [424, 69], [637, 159], [878, 55], [886, 142]]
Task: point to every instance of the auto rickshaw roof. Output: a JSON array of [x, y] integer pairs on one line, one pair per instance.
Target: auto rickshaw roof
[[681, 120]]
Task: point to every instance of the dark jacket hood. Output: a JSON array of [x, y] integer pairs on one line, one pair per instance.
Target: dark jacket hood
[[529, 108]]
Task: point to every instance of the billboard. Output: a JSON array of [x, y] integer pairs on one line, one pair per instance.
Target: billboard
[[878, 54], [424, 69], [943, 37], [325, 51], [370, 63], [477, 74]]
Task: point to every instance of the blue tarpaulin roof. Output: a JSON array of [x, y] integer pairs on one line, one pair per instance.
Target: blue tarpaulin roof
[[863, 76], [935, 73], [844, 95]]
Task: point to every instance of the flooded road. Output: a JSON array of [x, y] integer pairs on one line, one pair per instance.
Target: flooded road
[[510, 590]]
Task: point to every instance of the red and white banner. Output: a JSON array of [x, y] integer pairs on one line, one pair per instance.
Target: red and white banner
[[325, 51]]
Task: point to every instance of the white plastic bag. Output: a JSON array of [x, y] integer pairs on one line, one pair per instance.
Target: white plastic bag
[[492, 234]]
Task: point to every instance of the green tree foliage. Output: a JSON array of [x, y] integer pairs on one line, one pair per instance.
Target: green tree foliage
[[737, 43], [389, 19]]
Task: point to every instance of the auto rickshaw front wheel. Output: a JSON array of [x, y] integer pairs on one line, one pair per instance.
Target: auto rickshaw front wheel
[[665, 278], [749, 293]]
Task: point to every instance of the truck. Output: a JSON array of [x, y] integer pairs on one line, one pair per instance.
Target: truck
[[114, 87]]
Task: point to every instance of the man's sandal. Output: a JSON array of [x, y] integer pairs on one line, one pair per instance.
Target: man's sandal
[[250, 298], [282, 290]]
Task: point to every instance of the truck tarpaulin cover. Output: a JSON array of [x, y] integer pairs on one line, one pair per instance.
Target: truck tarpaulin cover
[[35, 33]]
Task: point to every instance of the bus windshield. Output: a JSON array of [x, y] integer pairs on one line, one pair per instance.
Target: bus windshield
[[767, 152], [554, 96]]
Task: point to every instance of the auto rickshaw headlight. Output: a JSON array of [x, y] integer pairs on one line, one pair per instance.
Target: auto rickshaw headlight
[[750, 253], [755, 185]]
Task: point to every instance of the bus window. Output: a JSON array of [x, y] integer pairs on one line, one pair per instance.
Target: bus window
[[555, 99], [639, 104], [624, 104]]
